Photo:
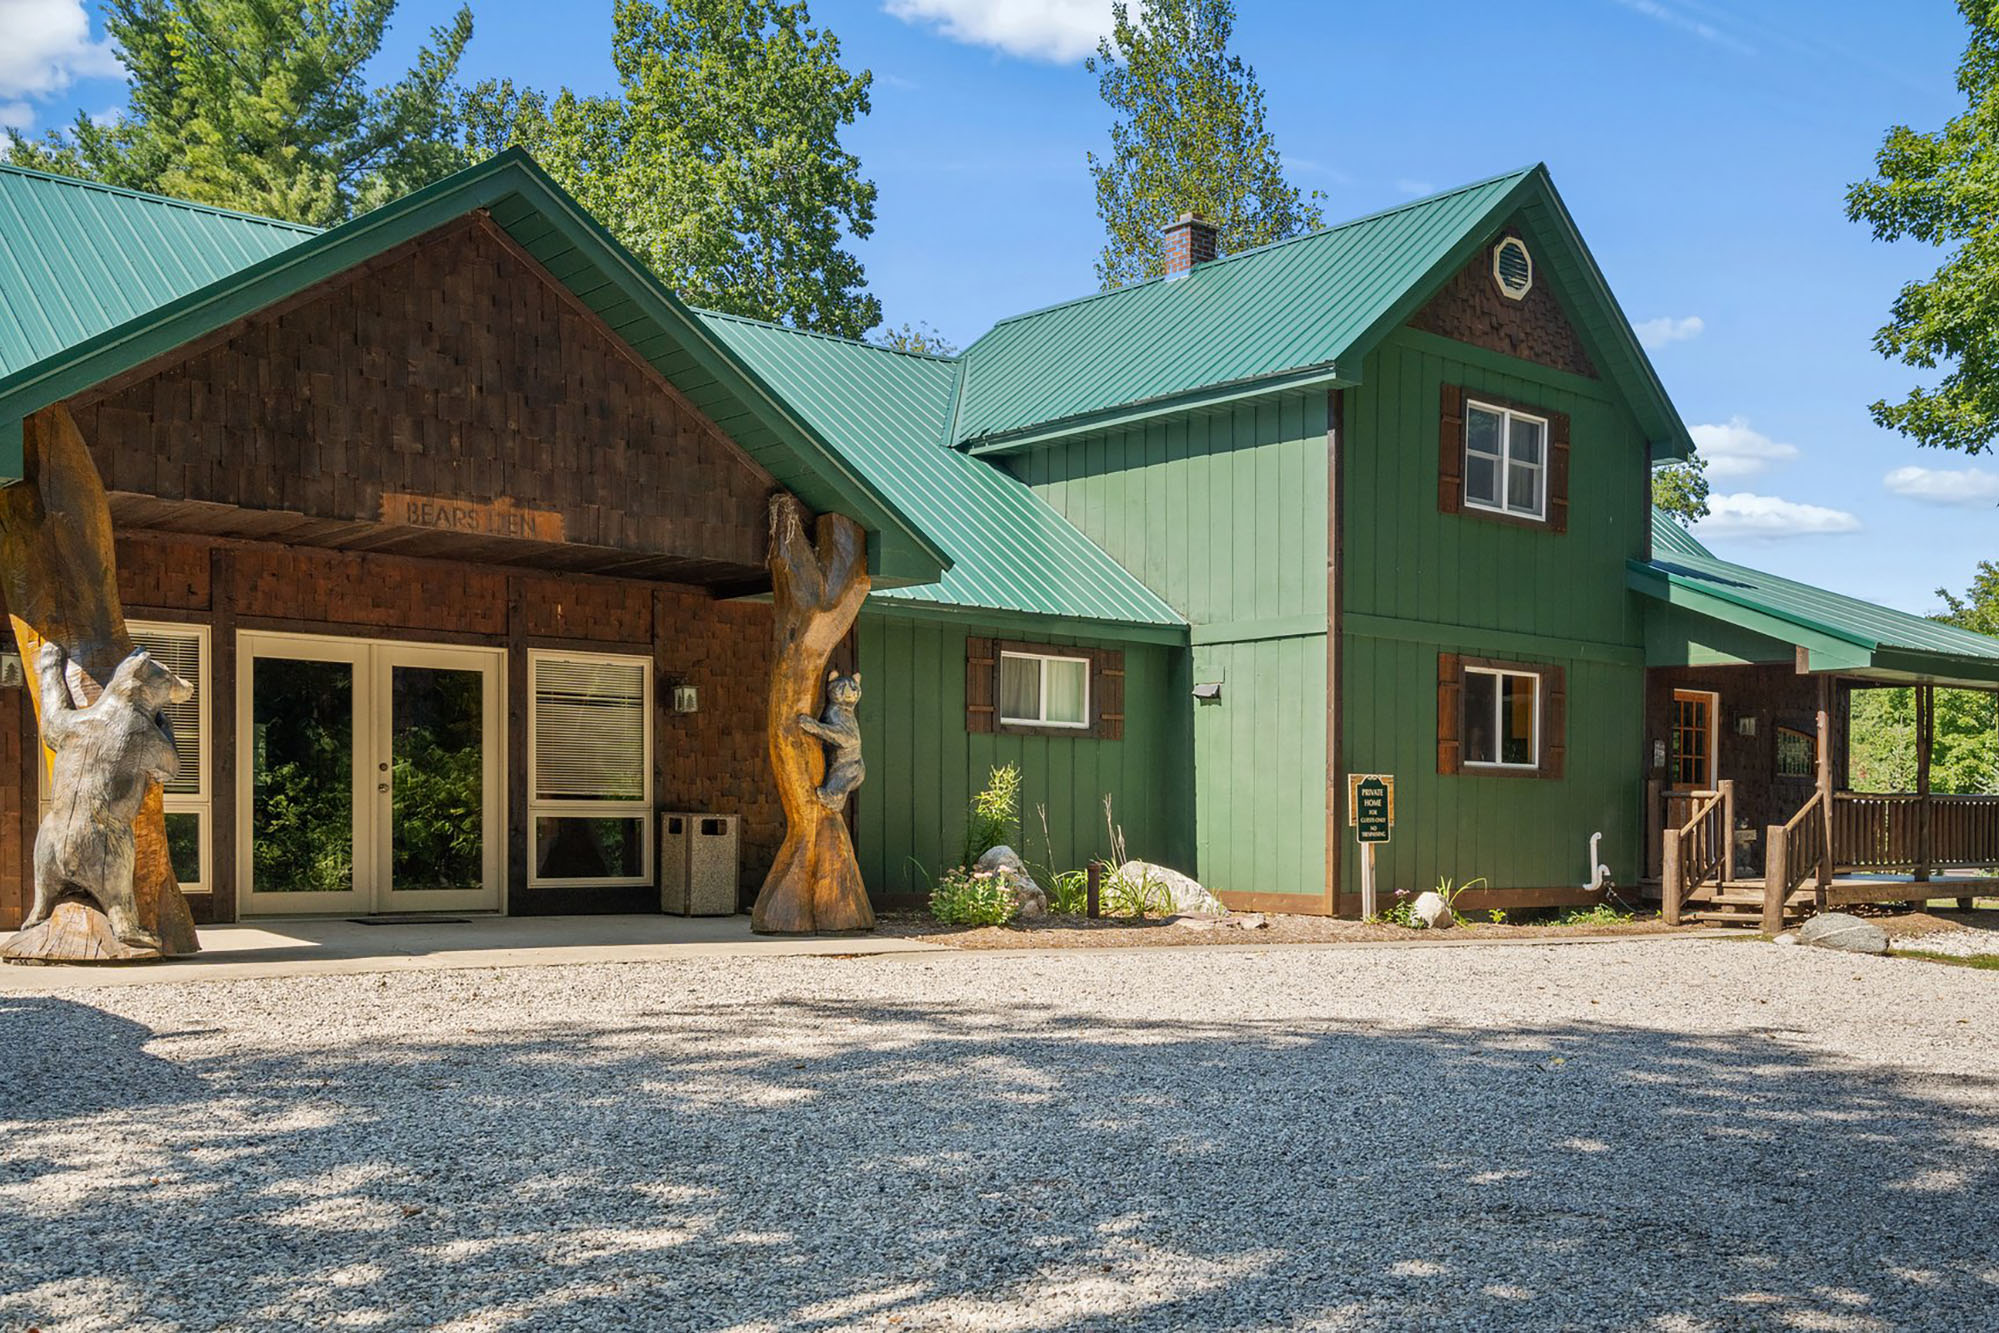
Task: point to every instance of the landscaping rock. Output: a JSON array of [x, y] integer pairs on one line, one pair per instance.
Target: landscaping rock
[[1189, 898], [1788, 937], [1251, 921], [1431, 909], [1030, 899], [1849, 934]]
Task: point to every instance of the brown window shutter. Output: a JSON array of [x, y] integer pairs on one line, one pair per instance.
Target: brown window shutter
[[1107, 693], [1558, 471], [1451, 451], [981, 685], [1450, 712], [1554, 720]]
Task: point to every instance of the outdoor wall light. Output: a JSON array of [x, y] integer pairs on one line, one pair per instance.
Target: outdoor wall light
[[12, 677], [686, 699], [1209, 693]]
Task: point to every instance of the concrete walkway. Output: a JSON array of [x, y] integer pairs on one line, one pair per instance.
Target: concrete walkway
[[334, 946]]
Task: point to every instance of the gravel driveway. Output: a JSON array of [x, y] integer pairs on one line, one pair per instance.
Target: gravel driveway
[[1666, 1134]]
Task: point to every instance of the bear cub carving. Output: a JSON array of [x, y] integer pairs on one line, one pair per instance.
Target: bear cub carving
[[841, 733], [104, 757]]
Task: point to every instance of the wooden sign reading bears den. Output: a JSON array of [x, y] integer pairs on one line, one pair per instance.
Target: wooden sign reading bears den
[[497, 518]]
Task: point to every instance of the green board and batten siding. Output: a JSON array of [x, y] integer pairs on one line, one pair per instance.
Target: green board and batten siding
[[1223, 515], [924, 765], [1420, 582]]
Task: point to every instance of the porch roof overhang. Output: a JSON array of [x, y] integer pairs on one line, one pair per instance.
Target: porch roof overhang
[[576, 250], [1829, 632]]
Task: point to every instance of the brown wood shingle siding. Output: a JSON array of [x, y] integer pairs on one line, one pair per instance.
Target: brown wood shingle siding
[[1471, 309], [456, 369]]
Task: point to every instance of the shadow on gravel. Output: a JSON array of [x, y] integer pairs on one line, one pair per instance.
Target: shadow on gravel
[[862, 1165]]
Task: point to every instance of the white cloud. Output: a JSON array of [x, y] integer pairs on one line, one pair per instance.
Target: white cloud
[[1411, 186], [1656, 333], [1744, 514], [1942, 486], [1057, 30], [48, 46], [1737, 450], [1673, 18], [16, 115]]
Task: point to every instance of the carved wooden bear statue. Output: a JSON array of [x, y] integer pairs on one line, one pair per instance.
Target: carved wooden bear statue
[[104, 757], [842, 736]]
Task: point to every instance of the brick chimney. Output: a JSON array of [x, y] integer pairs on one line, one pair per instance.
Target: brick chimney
[[1189, 241]]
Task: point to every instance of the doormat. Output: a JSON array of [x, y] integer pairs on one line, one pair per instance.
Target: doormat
[[411, 920]]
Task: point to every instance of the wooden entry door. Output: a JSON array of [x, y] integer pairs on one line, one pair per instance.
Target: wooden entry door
[[1691, 765], [369, 776]]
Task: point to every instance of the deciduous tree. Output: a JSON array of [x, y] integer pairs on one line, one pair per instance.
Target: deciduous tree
[[1187, 135], [264, 106], [720, 163], [1937, 188], [1681, 489]]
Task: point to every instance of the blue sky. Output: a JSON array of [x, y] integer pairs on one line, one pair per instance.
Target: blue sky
[[1703, 145]]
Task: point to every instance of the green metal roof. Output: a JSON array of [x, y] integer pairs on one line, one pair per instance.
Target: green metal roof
[[1300, 311], [77, 258], [581, 255], [1840, 633], [887, 412], [1669, 538]]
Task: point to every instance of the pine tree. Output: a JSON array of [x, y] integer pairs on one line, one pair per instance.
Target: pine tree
[[1187, 136], [262, 105]]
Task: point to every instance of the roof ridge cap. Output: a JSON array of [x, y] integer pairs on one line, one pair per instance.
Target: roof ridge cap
[[149, 197], [1425, 201], [708, 313]]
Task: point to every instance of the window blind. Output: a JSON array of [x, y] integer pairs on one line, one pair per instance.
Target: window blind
[[179, 651], [589, 729]]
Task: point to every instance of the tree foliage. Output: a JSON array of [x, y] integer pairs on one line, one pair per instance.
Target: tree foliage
[[1681, 489], [1187, 136], [264, 106], [918, 337], [1938, 188], [1883, 721], [719, 163]]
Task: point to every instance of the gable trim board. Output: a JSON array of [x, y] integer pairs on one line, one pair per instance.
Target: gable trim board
[[547, 224]]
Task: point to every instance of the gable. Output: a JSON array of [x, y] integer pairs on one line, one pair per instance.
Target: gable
[[1470, 308], [445, 397]]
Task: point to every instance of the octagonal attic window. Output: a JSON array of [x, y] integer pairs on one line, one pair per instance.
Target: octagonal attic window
[[1512, 268]]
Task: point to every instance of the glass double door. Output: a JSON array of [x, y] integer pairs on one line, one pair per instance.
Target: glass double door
[[368, 776]]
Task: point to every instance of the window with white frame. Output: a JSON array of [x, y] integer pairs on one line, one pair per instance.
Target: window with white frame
[[589, 771], [1037, 690], [1502, 718], [183, 650], [1506, 461]]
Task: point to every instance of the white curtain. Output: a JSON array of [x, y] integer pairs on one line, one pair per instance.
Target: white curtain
[[1020, 688], [1068, 691]]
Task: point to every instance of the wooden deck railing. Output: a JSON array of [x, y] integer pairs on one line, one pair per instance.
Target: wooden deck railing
[[1792, 854], [1900, 831], [1701, 849]]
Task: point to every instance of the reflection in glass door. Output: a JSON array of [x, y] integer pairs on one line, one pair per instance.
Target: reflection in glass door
[[300, 768], [371, 774], [439, 764]]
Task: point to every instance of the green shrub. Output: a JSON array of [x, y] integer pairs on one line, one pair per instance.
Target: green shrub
[[1401, 912], [1603, 914], [1136, 896], [1069, 892], [972, 898], [994, 814]]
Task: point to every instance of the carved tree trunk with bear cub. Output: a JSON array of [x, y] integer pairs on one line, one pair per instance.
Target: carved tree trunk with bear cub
[[817, 590], [58, 576]]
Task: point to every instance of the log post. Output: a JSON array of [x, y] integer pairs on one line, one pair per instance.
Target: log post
[[1825, 783], [1926, 739], [59, 577], [1727, 786], [1669, 878], [817, 588], [1776, 878]]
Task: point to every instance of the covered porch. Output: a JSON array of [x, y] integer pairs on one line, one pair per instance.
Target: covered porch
[[1756, 813]]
